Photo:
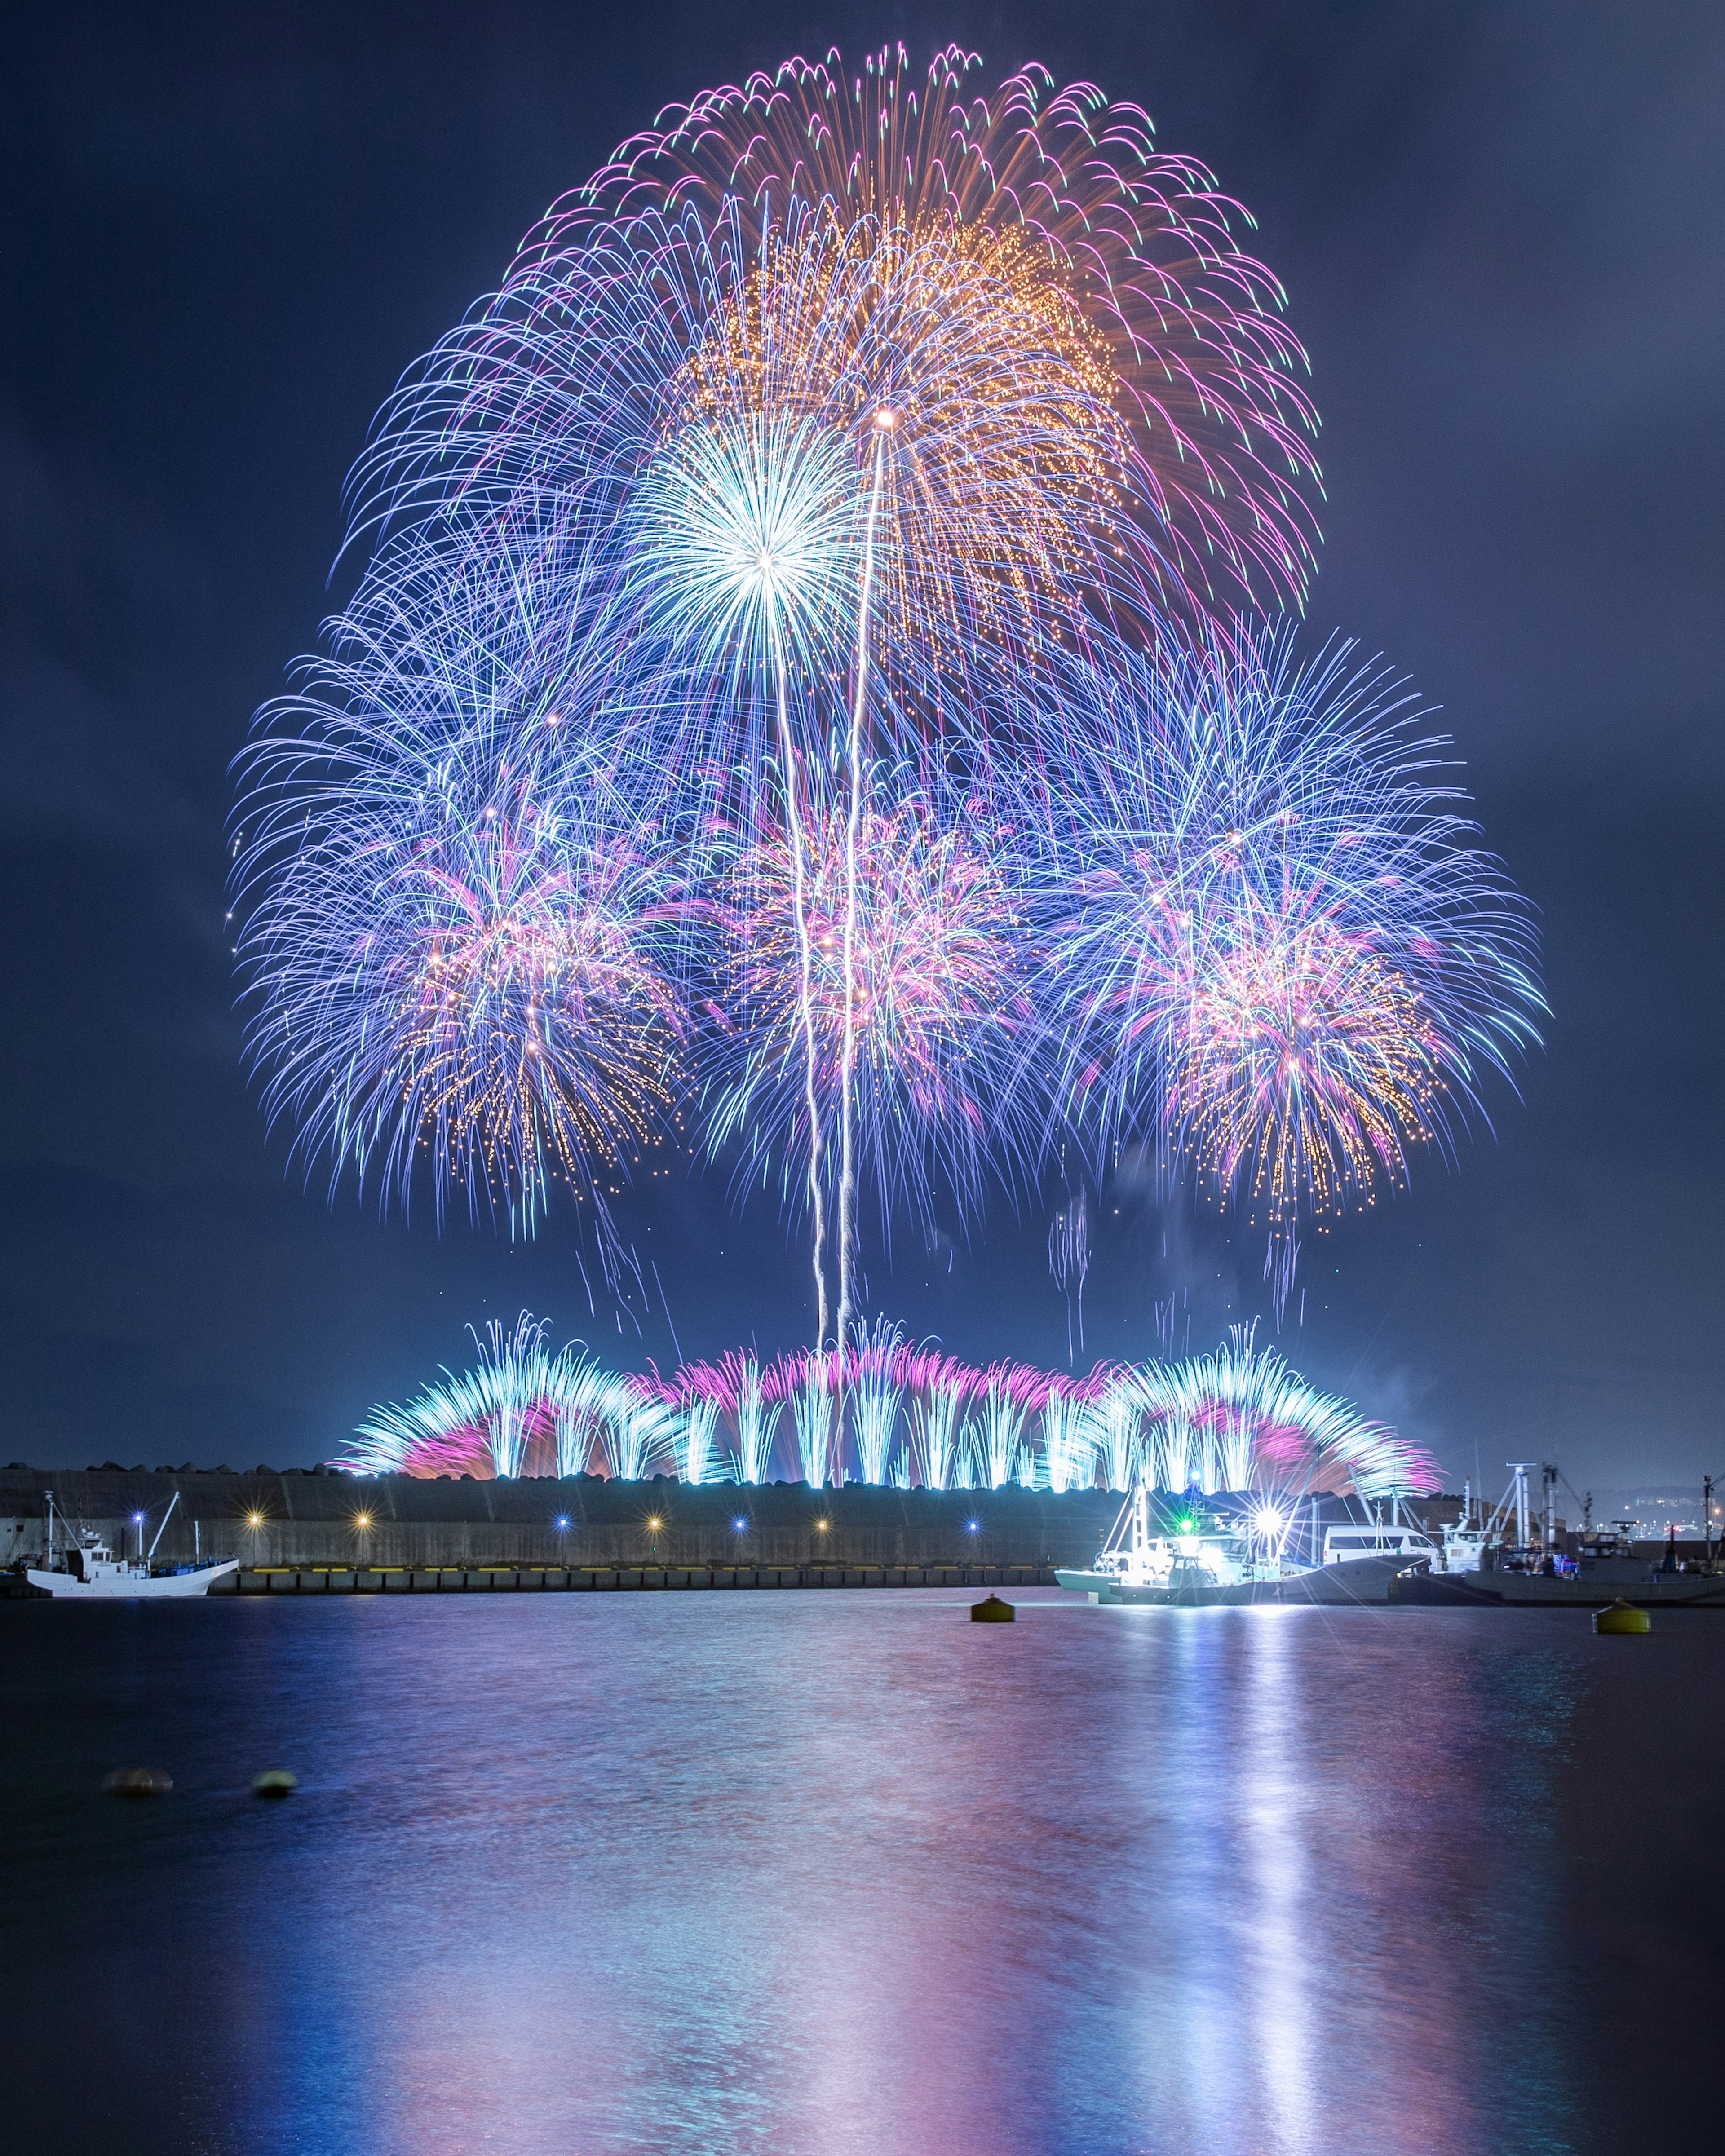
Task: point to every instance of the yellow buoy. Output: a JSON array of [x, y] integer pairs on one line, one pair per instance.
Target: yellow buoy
[[992, 1610], [276, 1783], [1622, 1617]]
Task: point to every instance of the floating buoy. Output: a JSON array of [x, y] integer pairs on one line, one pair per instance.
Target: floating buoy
[[138, 1781], [277, 1782], [1622, 1617], [992, 1610]]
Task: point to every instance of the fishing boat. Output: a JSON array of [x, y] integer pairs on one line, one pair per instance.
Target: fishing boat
[[1206, 1554], [86, 1570], [1200, 1555]]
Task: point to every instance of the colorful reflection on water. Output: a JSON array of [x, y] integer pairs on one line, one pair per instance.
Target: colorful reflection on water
[[830, 1873]]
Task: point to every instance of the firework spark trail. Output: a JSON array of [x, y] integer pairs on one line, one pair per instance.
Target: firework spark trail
[[580, 1397], [875, 1394], [847, 1073], [939, 1389], [756, 1419], [999, 1423], [1115, 1420], [697, 1452], [1069, 1446], [1069, 1260], [808, 1387], [805, 986]]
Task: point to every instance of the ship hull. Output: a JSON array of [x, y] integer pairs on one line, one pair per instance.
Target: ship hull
[[122, 1587], [1664, 1590], [1360, 1580]]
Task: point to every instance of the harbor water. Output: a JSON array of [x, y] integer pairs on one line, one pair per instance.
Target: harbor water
[[820, 1874]]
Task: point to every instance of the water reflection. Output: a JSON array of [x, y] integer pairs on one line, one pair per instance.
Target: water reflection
[[819, 1873]]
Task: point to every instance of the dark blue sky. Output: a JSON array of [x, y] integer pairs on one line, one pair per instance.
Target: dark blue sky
[[223, 234]]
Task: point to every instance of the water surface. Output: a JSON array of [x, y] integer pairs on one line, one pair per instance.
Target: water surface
[[835, 1872]]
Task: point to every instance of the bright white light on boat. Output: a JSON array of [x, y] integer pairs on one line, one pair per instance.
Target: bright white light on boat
[[1267, 1522]]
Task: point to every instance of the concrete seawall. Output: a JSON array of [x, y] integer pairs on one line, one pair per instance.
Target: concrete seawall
[[307, 1519], [491, 1579]]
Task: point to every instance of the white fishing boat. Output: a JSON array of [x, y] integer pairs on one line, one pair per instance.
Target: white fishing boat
[[1200, 1556], [1206, 1553], [86, 1570]]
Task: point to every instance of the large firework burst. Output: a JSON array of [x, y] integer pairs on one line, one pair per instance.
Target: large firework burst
[[1104, 243], [1268, 936], [454, 927]]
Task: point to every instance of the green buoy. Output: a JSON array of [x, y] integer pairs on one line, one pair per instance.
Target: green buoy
[[276, 1783], [1622, 1617], [992, 1610]]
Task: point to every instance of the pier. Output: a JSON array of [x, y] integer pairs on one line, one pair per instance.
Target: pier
[[400, 1533], [540, 1579]]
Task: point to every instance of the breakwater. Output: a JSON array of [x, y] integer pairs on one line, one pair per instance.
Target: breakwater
[[492, 1579], [302, 1520]]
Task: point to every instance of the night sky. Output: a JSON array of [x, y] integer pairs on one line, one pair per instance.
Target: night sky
[[223, 234]]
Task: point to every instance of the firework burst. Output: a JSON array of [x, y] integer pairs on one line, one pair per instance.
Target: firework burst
[[936, 962], [1105, 245], [1267, 935], [455, 930]]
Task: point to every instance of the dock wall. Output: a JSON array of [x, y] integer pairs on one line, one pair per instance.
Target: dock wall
[[492, 1579], [318, 1520]]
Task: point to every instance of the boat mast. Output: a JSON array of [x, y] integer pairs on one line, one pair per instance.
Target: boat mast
[[166, 1516], [1520, 1469]]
